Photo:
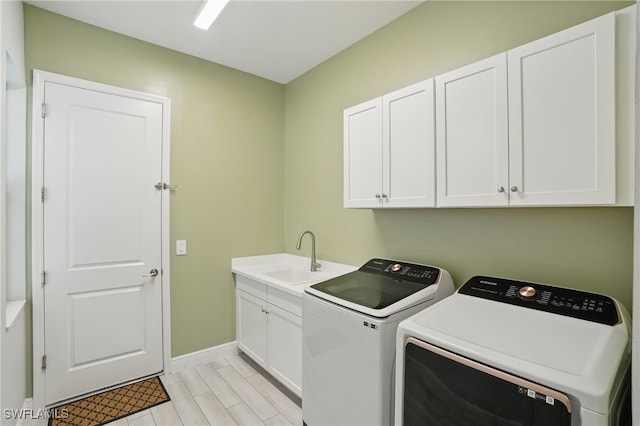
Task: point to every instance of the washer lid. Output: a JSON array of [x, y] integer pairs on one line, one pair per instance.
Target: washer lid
[[371, 291], [381, 287]]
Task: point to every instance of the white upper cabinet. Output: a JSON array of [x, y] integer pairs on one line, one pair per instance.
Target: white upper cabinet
[[408, 141], [363, 154], [533, 126], [549, 123], [562, 135], [389, 145], [472, 135]]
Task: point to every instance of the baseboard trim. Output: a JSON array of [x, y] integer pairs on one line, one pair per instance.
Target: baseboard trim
[[26, 414], [203, 356]]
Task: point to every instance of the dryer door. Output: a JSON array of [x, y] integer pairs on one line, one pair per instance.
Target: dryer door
[[443, 388]]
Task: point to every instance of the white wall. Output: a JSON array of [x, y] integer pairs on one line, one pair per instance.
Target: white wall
[[13, 88]]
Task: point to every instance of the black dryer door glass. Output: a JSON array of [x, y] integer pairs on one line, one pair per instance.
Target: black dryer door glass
[[440, 391]]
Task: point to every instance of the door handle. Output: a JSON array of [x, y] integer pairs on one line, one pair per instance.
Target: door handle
[[152, 273]]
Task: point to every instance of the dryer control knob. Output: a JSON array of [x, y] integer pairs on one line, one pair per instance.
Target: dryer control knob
[[396, 267], [527, 292]]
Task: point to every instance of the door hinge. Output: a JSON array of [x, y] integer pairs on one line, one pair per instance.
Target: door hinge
[[43, 111], [42, 194], [44, 362], [43, 278], [164, 185]]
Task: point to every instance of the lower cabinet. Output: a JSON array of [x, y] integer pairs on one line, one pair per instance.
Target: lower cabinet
[[269, 330], [284, 347], [251, 326]]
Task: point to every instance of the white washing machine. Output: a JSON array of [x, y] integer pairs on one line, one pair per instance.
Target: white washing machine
[[349, 333], [505, 352]]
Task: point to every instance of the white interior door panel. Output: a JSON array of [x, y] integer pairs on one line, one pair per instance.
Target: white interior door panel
[[102, 229]]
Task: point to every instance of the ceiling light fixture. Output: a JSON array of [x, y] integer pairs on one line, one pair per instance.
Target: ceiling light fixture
[[208, 13]]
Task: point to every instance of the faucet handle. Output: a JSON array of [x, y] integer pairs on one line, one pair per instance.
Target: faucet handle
[[315, 266]]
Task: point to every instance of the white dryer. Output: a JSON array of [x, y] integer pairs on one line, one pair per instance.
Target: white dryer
[[505, 352]]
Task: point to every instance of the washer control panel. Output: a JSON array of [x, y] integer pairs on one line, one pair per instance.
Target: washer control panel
[[422, 274], [558, 300]]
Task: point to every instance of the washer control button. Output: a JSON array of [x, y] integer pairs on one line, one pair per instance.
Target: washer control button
[[527, 292]]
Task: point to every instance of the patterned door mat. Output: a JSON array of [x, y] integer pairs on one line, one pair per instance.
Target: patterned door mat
[[111, 405]]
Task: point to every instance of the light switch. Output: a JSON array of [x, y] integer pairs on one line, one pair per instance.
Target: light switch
[[181, 247]]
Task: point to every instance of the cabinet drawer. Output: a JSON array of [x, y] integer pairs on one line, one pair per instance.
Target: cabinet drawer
[[252, 287], [289, 302]]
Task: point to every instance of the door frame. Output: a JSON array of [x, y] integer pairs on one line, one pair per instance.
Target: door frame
[[37, 216]]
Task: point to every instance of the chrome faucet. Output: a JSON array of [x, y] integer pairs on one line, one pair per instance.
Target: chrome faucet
[[314, 265]]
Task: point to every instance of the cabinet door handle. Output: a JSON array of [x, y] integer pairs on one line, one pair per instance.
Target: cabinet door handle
[[514, 188], [384, 195], [501, 189], [378, 196]]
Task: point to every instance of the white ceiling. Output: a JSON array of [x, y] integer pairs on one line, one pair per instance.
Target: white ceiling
[[277, 40]]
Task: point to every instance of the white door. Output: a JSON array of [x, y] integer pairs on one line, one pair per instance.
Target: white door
[[472, 135], [101, 240], [363, 155], [284, 347], [252, 326], [562, 134], [409, 147]]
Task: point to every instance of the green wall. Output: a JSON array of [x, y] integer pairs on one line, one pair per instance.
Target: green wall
[[227, 132], [256, 162], [589, 248]]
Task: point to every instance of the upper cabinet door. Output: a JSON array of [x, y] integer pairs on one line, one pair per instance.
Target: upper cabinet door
[[363, 154], [408, 142], [562, 117], [472, 135]]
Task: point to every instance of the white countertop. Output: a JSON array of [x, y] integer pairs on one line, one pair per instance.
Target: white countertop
[[287, 272]]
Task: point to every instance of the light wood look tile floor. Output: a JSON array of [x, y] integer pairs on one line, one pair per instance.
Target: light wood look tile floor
[[230, 391]]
